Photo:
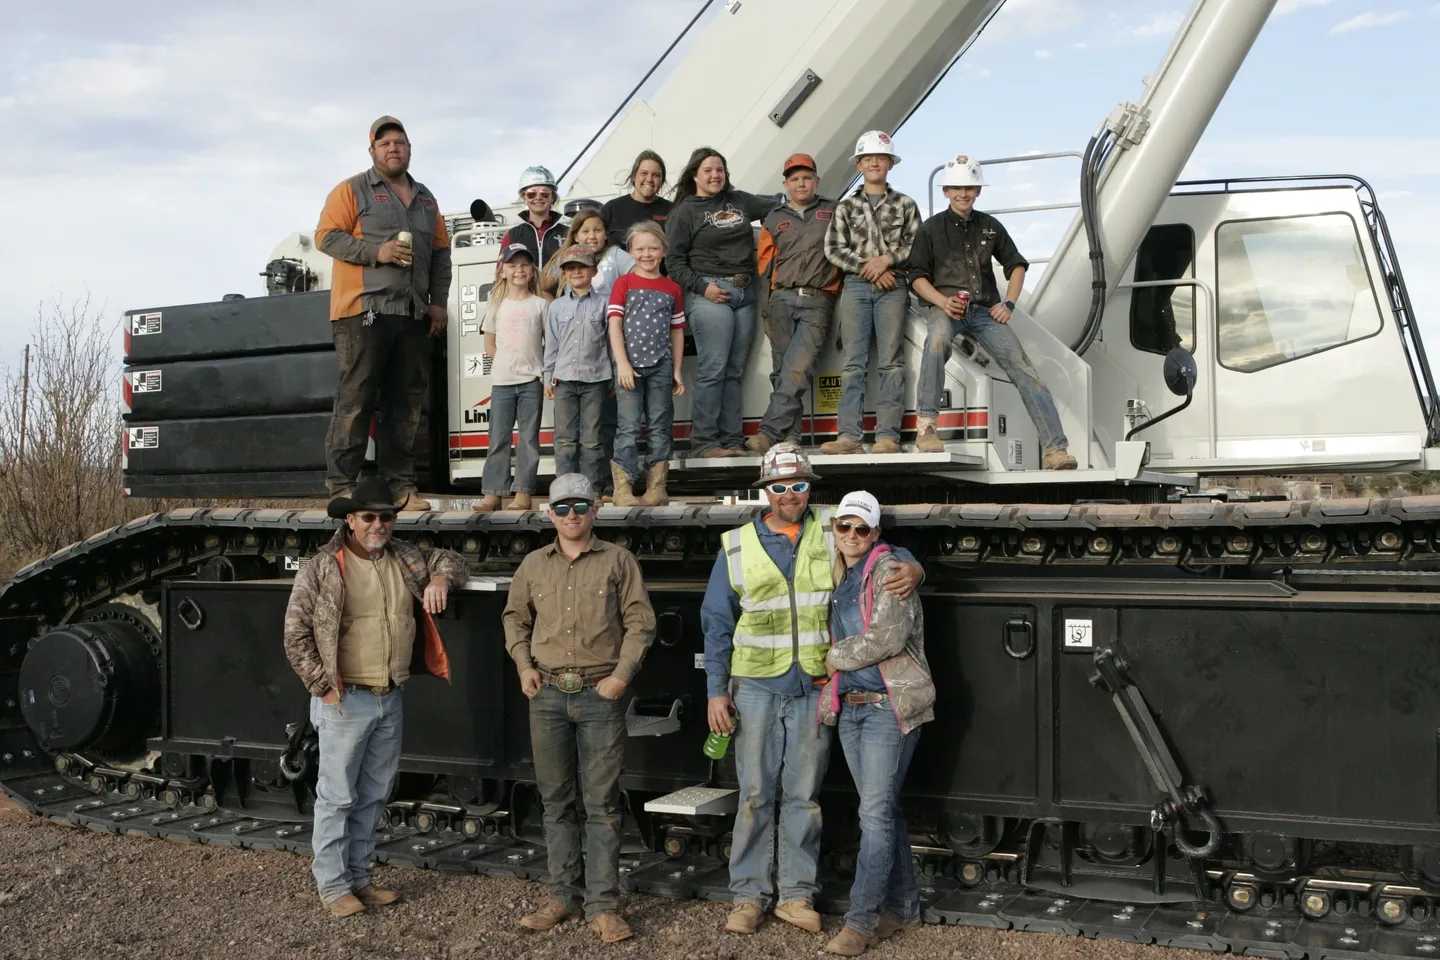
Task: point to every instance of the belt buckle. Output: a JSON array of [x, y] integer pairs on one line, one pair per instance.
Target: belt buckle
[[803, 292], [740, 280], [569, 682]]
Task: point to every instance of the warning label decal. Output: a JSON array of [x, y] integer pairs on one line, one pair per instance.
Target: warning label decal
[[827, 393], [145, 381], [144, 324], [142, 438]]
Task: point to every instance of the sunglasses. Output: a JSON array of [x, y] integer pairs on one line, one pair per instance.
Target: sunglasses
[[386, 517], [537, 194], [581, 507], [780, 489], [845, 526]]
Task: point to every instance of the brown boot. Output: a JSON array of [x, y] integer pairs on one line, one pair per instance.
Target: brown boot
[[889, 925], [842, 445], [849, 942], [1057, 458], [712, 452], [745, 918], [345, 905], [611, 928], [624, 493], [486, 504], [885, 445], [655, 479], [926, 439], [377, 896], [758, 443], [415, 502], [800, 914], [549, 914], [521, 501]]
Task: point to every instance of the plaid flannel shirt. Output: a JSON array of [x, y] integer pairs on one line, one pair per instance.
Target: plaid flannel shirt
[[858, 232]]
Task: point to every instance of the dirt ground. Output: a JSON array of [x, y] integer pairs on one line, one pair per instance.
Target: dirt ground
[[68, 892]]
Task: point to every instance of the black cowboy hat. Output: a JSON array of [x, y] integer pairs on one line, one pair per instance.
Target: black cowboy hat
[[372, 493]]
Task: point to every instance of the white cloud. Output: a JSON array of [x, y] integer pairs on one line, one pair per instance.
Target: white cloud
[[1370, 20], [1291, 6], [1159, 24]]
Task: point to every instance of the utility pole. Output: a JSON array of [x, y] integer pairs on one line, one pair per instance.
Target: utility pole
[[24, 401]]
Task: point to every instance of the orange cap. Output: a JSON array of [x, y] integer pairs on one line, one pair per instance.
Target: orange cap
[[796, 160]]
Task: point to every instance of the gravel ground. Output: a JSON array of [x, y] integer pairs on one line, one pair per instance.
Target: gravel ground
[[68, 892]]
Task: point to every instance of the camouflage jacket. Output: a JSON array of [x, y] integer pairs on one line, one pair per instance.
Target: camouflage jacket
[[312, 618], [895, 640]]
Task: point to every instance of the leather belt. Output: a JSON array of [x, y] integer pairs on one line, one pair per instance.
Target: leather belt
[[737, 279], [861, 697], [570, 681], [384, 691], [807, 291]]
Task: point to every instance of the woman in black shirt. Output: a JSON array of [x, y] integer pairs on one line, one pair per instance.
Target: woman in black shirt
[[643, 202]]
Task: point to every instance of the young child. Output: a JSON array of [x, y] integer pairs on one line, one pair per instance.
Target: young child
[[514, 329], [587, 229], [647, 337], [873, 230], [577, 365]]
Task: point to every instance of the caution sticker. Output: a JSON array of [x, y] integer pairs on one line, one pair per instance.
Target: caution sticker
[[469, 329], [144, 324], [145, 381], [476, 365], [1079, 634], [142, 438], [469, 293], [469, 311], [827, 393]]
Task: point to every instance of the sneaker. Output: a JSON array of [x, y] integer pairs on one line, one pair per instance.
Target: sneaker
[[799, 913], [1057, 458], [345, 905], [885, 445], [927, 440], [758, 443], [377, 896], [550, 914], [842, 445], [889, 925], [745, 918], [849, 942], [611, 928]]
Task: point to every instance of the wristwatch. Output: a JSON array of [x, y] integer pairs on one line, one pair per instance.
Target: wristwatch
[[1010, 305]]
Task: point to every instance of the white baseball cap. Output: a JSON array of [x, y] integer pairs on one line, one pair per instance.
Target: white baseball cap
[[862, 504]]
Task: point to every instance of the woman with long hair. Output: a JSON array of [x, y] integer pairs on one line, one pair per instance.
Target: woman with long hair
[[643, 202], [587, 229]]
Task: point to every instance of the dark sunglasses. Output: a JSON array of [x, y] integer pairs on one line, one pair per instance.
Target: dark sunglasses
[[845, 526], [537, 194], [581, 507], [780, 489], [387, 517]]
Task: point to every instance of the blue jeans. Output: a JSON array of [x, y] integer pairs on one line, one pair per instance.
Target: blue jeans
[[651, 407], [796, 326], [781, 751], [578, 408], [562, 726], [865, 312], [509, 403], [1001, 343], [878, 756], [359, 758], [723, 335]]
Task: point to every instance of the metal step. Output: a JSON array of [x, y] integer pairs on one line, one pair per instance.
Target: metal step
[[696, 801]]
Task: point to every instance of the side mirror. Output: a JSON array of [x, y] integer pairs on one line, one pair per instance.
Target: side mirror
[[1181, 372], [480, 211]]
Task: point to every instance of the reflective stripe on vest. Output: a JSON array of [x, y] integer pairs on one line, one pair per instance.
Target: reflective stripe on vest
[[779, 618]]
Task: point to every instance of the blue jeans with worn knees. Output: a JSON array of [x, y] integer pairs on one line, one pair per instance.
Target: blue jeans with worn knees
[[513, 407], [878, 755], [724, 333], [564, 727], [651, 406], [1000, 342], [359, 758], [866, 312], [577, 409], [796, 326], [781, 752]]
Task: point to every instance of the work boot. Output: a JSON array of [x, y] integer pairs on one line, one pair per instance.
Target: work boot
[[842, 444], [745, 918], [758, 443], [800, 914], [926, 439], [486, 504], [1057, 458], [521, 501], [885, 445], [345, 905], [849, 942], [624, 492], [889, 925], [611, 928], [710, 452], [655, 479], [415, 502], [377, 896], [549, 914]]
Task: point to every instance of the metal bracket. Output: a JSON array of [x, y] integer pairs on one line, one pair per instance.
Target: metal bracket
[[781, 113], [650, 724], [1129, 123]]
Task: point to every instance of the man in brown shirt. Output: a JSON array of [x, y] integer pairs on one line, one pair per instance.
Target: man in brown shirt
[[577, 624]]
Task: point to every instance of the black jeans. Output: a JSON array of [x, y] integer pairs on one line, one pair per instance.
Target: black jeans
[[384, 373]]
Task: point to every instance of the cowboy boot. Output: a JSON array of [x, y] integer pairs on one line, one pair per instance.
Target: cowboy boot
[[655, 479]]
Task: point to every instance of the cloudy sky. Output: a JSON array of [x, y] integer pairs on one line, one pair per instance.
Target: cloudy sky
[[164, 149]]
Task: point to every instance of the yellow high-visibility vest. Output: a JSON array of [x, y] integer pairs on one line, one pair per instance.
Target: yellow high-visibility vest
[[780, 619]]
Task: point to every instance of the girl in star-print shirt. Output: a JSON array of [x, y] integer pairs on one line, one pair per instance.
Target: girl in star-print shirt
[[647, 336]]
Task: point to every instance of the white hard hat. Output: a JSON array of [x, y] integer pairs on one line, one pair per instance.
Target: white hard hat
[[963, 172], [876, 141], [536, 176]]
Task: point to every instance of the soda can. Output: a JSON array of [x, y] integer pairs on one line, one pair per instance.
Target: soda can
[[963, 296]]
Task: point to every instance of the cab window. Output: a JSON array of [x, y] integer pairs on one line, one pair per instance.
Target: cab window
[[1163, 318]]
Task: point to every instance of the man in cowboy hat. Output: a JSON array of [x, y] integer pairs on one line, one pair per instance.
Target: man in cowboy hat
[[358, 625]]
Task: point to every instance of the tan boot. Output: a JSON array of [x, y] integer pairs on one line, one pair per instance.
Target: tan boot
[[415, 502], [521, 501], [655, 479], [849, 942], [757, 443], [926, 439], [486, 504], [377, 896], [624, 493], [549, 914], [744, 919], [889, 925], [800, 914], [611, 928], [346, 905], [885, 445], [1057, 458], [842, 445]]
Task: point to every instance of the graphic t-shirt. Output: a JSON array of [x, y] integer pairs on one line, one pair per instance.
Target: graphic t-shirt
[[519, 327], [650, 308]]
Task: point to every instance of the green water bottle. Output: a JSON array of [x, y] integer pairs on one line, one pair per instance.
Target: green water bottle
[[717, 745]]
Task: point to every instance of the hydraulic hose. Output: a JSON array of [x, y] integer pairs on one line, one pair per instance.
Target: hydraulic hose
[[1096, 152]]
